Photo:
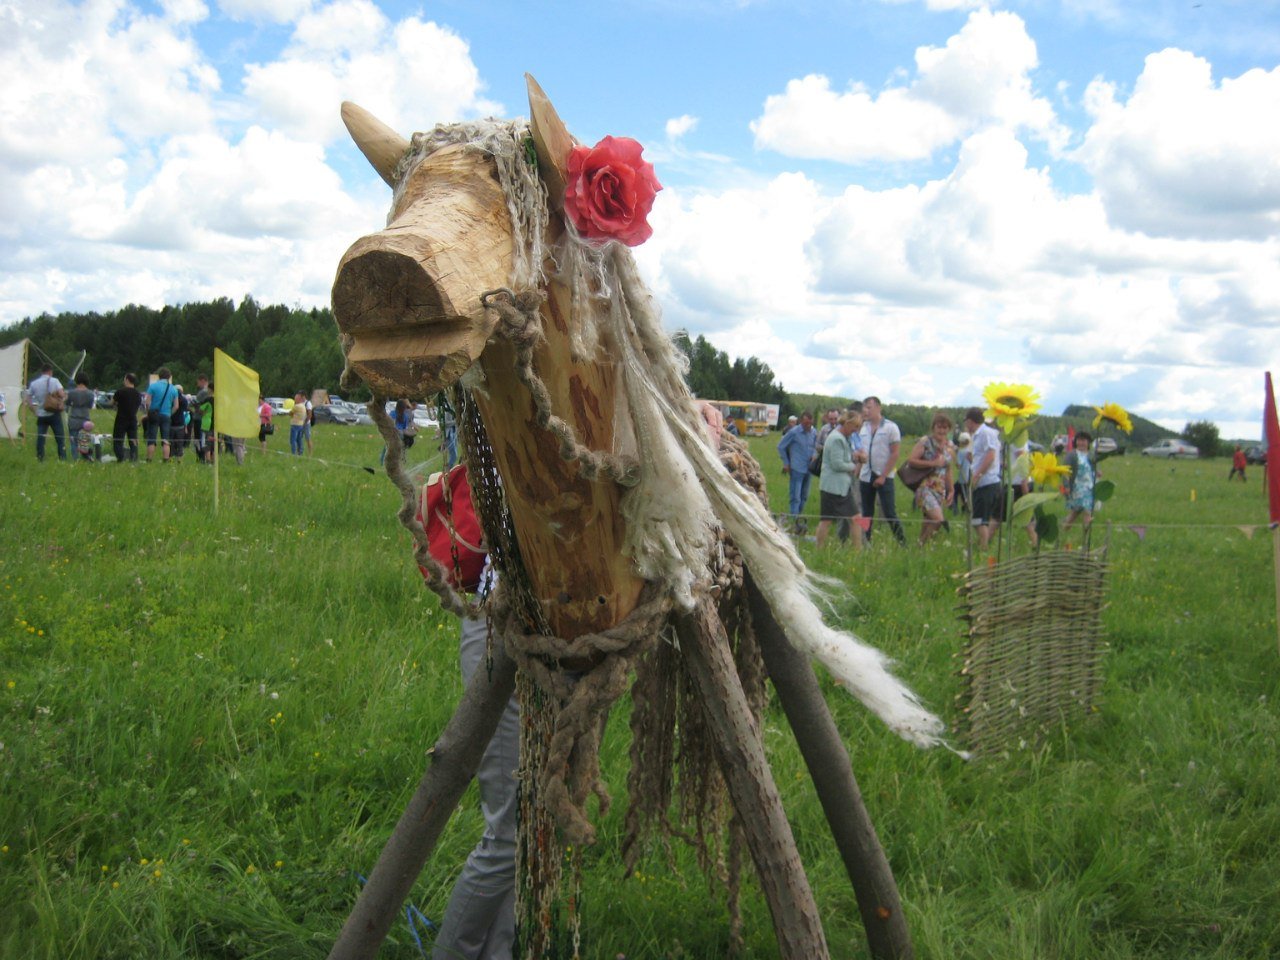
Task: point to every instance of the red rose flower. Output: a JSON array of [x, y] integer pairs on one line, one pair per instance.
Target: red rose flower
[[610, 191]]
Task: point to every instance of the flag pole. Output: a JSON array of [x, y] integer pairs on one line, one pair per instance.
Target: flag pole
[[1271, 475]]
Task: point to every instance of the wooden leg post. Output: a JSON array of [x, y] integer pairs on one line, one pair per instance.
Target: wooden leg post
[[705, 647], [829, 766], [454, 760]]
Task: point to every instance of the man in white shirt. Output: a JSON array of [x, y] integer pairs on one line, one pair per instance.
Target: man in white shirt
[[988, 493], [881, 440], [39, 391]]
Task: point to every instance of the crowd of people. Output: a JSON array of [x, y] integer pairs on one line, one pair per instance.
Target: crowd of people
[[857, 455], [170, 420]]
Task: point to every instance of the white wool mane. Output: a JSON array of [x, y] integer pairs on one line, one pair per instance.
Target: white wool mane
[[684, 493]]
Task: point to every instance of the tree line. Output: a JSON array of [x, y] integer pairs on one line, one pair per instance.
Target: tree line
[[295, 349], [292, 349]]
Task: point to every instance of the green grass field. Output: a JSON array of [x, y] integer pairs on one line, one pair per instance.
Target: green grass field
[[209, 724]]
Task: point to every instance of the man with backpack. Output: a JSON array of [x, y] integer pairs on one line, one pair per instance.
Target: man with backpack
[[163, 401], [47, 398]]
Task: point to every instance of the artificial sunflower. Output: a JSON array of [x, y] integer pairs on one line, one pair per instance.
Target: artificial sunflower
[[1113, 413], [1045, 468], [1009, 403]]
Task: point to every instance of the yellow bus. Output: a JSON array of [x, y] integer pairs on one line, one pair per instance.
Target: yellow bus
[[750, 419]]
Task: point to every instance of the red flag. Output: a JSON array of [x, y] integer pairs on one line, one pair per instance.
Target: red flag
[[1271, 434], [1071, 439]]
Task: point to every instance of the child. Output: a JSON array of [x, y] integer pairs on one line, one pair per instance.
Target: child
[[86, 447], [964, 469], [1080, 485]]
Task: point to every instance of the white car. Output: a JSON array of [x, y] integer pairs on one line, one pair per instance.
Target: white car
[[1172, 448], [279, 406]]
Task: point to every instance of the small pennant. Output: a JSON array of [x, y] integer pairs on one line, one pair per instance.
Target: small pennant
[[1140, 530], [863, 522], [1247, 531]]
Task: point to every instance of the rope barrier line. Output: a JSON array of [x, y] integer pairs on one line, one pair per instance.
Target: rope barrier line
[[959, 519]]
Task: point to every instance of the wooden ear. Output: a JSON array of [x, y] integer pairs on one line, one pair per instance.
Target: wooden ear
[[381, 145], [552, 142]]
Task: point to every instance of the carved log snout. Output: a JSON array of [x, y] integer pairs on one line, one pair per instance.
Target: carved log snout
[[409, 295]]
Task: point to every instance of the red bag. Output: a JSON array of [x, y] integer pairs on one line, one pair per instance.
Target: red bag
[[446, 513]]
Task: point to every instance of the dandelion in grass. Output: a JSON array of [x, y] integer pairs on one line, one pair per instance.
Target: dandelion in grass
[[1045, 469], [1115, 414], [1010, 403], [250, 869]]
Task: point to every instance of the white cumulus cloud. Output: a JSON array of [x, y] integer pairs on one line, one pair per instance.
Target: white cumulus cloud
[[1184, 156], [981, 77]]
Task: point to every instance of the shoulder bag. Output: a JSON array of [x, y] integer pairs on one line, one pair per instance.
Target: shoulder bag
[[55, 401]]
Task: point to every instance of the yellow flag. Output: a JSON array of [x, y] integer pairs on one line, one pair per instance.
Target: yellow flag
[[235, 397]]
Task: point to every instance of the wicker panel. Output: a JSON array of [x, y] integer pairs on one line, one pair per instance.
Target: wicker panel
[[1033, 659]]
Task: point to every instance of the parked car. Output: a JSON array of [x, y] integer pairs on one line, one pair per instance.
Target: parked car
[[330, 413], [279, 406], [1172, 448], [103, 400], [1256, 454], [1106, 446]]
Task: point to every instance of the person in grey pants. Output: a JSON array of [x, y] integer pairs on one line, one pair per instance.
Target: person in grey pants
[[480, 920]]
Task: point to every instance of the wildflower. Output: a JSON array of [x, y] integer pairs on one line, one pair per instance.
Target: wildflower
[[1010, 403], [250, 869], [279, 864], [115, 884], [4, 848], [105, 868], [143, 862], [1113, 413], [186, 842], [11, 684], [157, 873]]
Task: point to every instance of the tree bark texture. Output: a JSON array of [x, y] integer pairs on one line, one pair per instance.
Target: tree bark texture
[[705, 648], [832, 773], [454, 760]]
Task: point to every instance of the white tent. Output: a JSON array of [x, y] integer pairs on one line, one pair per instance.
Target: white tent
[[13, 368]]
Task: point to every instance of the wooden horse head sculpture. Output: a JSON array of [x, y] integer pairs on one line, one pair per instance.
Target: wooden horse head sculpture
[[620, 505]]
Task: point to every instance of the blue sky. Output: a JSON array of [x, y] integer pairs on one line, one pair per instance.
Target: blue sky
[[906, 198]]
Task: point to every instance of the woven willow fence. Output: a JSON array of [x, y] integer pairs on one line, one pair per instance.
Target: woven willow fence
[[1033, 659]]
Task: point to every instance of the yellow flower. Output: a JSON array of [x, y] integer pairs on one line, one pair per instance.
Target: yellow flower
[[1045, 468], [1113, 413], [251, 869], [1008, 403]]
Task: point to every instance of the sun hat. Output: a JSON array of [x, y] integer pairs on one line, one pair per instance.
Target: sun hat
[[964, 439]]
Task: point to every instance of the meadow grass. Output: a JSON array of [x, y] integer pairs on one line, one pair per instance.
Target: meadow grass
[[209, 725]]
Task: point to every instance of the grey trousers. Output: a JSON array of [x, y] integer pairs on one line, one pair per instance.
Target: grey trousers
[[480, 920]]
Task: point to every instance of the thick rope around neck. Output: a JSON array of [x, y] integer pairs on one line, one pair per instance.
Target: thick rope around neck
[[520, 323]]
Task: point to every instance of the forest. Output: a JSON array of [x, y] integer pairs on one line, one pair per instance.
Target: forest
[[296, 349]]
